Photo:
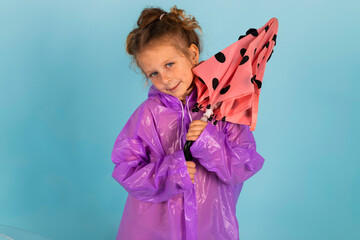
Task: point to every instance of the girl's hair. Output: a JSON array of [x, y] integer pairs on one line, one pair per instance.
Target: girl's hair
[[174, 26]]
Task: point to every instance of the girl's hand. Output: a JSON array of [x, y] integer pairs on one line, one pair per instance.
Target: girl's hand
[[191, 169], [195, 129]]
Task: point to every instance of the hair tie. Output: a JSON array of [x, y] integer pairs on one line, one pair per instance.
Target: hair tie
[[162, 15]]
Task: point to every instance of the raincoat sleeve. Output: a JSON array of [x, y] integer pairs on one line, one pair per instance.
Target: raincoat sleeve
[[230, 153], [141, 166]]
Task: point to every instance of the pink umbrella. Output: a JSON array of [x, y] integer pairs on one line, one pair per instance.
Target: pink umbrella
[[229, 82]]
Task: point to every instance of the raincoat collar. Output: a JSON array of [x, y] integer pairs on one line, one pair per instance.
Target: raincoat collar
[[171, 101], [174, 103]]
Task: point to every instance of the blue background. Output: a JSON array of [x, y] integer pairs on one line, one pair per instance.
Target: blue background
[[66, 91]]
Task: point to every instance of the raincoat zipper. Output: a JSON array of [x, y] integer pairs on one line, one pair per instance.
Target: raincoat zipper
[[189, 195], [182, 118]]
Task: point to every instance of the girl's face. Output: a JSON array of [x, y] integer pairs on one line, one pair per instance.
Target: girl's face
[[168, 68]]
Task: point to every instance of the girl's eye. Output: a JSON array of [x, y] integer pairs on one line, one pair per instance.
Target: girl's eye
[[151, 75], [171, 63]]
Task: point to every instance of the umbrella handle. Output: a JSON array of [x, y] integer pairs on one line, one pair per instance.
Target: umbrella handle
[[188, 143], [204, 118], [187, 152]]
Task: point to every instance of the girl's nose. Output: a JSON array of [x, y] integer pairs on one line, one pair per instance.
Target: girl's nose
[[166, 79]]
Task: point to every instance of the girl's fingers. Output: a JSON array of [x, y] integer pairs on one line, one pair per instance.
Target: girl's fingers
[[192, 138], [191, 167], [193, 135], [192, 177], [197, 127], [190, 164], [198, 123], [194, 132]]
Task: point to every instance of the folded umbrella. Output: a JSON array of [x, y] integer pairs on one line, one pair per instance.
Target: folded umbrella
[[229, 83]]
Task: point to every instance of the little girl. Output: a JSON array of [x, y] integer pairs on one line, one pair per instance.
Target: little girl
[[148, 152]]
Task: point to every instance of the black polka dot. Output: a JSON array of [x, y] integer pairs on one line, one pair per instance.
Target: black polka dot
[[274, 38], [270, 56], [254, 51], [258, 82], [223, 119], [224, 90], [195, 108], [241, 37], [266, 28], [252, 79], [258, 65], [208, 106], [243, 51], [220, 57], [252, 31], [244, 60], [215, 83], [266, 45], [215, 122]]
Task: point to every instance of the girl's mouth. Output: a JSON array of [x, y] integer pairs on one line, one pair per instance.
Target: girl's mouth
[[172, 89]]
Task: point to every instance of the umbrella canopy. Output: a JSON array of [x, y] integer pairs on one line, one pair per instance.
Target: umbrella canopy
[[229, 83], [233, 77]]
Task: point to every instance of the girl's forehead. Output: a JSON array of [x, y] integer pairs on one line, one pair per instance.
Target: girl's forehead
[[158, 53], [163, 49], [166, 44]]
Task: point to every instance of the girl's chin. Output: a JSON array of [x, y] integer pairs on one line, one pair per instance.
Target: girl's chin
[[179, 96]]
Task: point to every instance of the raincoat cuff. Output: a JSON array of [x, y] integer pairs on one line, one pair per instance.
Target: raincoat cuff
[[210, 139], [180, 171]]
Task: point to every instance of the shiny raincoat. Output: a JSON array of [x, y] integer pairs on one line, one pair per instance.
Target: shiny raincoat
[[150, 165]]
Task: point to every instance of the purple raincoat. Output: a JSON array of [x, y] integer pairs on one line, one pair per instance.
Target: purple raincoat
[[150, 165]]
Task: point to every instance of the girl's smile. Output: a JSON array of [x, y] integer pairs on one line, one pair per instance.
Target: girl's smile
[[174, 88]]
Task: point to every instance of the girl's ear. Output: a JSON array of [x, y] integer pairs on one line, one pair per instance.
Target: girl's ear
[[194, 53]]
